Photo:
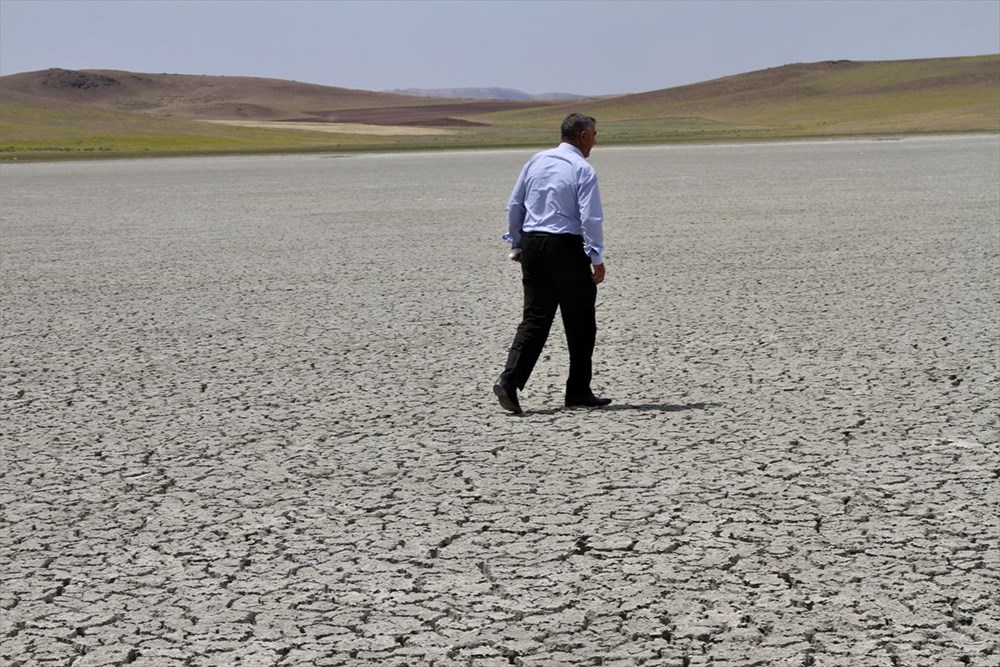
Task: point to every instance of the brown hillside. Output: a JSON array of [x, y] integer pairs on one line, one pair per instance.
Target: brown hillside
[[63, 113], [237, 98], [803, 81]]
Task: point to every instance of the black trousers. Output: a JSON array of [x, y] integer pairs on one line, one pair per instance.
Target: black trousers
[[556, 273]]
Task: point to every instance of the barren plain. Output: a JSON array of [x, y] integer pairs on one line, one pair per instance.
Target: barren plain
[[247, 416]]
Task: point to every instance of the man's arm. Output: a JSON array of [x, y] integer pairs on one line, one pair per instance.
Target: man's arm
[[516, 212], [592, 221]]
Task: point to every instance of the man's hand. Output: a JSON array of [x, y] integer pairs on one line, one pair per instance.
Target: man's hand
[[515, 254], [598, 274]]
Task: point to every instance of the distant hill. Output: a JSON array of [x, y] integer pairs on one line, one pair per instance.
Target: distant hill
[[59, 112], [222, 97], [830, 98], [484, 94]]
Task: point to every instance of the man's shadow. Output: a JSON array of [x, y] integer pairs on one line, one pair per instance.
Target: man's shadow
[[660, 407], [640, 407]]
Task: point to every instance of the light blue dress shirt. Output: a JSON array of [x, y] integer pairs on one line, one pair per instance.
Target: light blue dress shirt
[[557, 192]]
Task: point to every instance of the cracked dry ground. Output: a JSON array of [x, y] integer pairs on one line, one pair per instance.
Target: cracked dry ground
[[247, 416]]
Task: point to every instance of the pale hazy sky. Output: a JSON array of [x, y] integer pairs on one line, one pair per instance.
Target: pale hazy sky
[[588, 47]]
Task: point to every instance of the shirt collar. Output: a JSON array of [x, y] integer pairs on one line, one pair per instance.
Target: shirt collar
[[566, 144]]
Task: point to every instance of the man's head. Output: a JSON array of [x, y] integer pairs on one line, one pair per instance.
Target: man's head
[[581, 131]]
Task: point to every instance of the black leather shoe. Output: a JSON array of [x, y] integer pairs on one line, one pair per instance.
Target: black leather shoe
[[586, 401], [507, 393]]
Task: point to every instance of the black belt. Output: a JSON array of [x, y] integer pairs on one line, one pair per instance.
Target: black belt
[[552, 235]]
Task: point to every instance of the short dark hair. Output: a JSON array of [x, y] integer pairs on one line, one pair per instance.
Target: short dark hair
[[575, 123]]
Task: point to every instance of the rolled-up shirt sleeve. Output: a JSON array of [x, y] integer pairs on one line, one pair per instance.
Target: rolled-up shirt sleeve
[[516, 210], [592, 217]]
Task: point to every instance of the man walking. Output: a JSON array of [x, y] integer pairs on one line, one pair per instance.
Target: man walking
[[555, 225]]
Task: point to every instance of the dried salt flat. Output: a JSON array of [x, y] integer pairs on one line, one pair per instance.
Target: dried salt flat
[[247, 414]]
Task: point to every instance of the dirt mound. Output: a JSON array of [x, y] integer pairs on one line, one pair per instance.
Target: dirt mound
[[89, 88], [428, 115], [62, 78], [235, 111]]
